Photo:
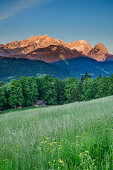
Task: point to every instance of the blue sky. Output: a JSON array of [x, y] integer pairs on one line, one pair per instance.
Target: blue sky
[[68, 20]]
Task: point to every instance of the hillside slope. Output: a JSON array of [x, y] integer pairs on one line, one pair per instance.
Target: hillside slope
[[72, 136], [79, 66], [12, 68]]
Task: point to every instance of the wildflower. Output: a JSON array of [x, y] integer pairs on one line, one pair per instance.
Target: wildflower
[[47, 138], [53, 139], [78, 136], [60, 161], [80, 164], [58, 167], [45, 141], [86, 151], [41, 143], [80, 154], [59, 148]]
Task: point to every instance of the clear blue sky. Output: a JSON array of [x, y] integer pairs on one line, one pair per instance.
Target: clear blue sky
[[68, 20]]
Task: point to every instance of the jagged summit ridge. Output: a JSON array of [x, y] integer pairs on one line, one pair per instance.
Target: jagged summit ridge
[[39, 48], [99, 52]]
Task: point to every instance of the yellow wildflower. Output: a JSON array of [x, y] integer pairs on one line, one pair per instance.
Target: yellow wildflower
[[60, 161], [45, 141], [80, 154]]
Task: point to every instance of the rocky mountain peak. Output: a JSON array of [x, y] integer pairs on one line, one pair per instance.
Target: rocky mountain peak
[[82, 42], [100, 46], [99, 52], [35, 45]]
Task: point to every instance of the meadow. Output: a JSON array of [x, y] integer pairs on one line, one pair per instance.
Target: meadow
[[76, 136]]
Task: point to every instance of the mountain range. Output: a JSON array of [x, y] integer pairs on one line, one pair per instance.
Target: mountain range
[[41, 55], [52, 50]]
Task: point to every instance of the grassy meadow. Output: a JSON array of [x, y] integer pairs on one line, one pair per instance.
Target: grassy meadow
[[76, 136]]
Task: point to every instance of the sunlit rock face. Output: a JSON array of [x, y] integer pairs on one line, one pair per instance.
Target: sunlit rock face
[[81, 46], [99, 52], [50, 50]]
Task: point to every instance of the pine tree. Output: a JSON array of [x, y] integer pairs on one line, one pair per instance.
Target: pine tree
[[60, 85], [100, 76]]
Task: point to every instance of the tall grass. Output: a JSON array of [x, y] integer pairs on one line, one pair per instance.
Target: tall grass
[[73, 136]]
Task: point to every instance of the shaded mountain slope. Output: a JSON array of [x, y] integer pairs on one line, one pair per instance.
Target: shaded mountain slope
[[79, 66], [11, 68], [53, 53]]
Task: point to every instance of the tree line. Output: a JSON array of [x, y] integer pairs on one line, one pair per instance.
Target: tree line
[[53, 91]]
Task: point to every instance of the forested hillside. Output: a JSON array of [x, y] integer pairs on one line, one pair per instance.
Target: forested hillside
[[11, 68], [79, 66]]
